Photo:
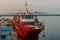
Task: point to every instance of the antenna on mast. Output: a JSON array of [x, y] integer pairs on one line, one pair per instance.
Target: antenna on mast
[[26, 7]]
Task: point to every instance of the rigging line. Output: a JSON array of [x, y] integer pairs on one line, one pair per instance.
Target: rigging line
[[26, 6]]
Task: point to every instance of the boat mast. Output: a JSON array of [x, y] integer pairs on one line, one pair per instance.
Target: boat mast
[[26, 7]]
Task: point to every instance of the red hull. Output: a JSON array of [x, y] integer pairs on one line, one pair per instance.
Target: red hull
[[31, 34], [35, 32], [23, 31], [29, 23]]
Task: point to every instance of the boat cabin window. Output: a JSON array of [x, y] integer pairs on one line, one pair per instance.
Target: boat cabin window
[[27, 17]]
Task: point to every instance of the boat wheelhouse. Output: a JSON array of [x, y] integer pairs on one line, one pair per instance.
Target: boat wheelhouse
[[27, 19]]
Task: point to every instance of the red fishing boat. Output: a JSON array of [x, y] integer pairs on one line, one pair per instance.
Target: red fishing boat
[[27, 25]]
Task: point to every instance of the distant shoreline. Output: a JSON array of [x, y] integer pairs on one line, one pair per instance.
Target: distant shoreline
[[38, 15]]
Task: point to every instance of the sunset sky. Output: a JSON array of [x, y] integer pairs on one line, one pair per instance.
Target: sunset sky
[[48, 6]]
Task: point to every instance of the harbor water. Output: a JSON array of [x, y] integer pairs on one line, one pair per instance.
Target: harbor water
[[52, 28]]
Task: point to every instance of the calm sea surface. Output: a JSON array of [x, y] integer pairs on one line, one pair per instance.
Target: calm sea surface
[[52, 27]]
